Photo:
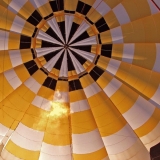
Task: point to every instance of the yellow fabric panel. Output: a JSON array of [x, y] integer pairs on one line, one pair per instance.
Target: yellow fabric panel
[[89, 2], [111, 20], [5, 87], [156, 18], [24, 10], [5, 62], [77, 95], [22, 72], [13, 41], [21, 152], [6, 18], [150, 124], [28, 29], [143, 4], [21, 90], [26, 55], [45, 10], [57, 139], [124, 98], [70, 5], [93, 15], [2, 3], [114, 3], [86, 81], [98, 155], [117, 51], [82, 122], [46, 93], [92, 31], [55, 72], [5, 119], [104, 80], [39, 76], [37, 123], [106, 37], [103, 62], [60, 18], [78, 18], [62, 86]]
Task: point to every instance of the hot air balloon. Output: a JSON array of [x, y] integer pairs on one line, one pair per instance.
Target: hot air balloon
[[79, 79]]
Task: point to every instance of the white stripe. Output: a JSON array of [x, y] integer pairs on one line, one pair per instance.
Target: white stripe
[[17, 4], [113, 66], [96, 3], [29, 133], [25, 143], [128, 52], [87, 142], [139, 113], [37, 3], [116, 34], [121, 14], [157, 62], [112, 87], [64, 66], [120, 141], [61, 97], [157, 2], [92, 90], [79, 106], [18, 24], [83, 27], [152, 6], [89, 41], [103, 8], [68, 25], [3, 130], [87, 55], [55, 27], [12, 78], [32, 84], [45, 51], [43, 36], [4, 40]]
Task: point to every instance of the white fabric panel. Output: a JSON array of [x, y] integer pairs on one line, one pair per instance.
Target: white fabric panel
[[29, 133], [3, 130], [55, 150], [153, 8], [38, 3], [155, 99], [87, 142], [128, 52], [112, 87], [43, 36], [121, 14], [8, 156], [17, 24], [116, 34], [53, 24], [68, 25], [113, 66], [15, 57], [44, 156], [4, 40], [50, 64], [83, 27], [157, 3], [61, 96], [139, 113], [77, 65], [89, 41], [25, 143], [152, 138], [103, 8], [87, 55], [92, 90], [120, 141], [79, 106], [96, 3], [157, 62], [32, 84], [42, 103], [106, 158], [44, 51], [64, 66], [16, 5], [12, 78]]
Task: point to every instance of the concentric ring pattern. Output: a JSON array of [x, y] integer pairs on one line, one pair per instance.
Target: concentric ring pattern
[[79, 80]]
